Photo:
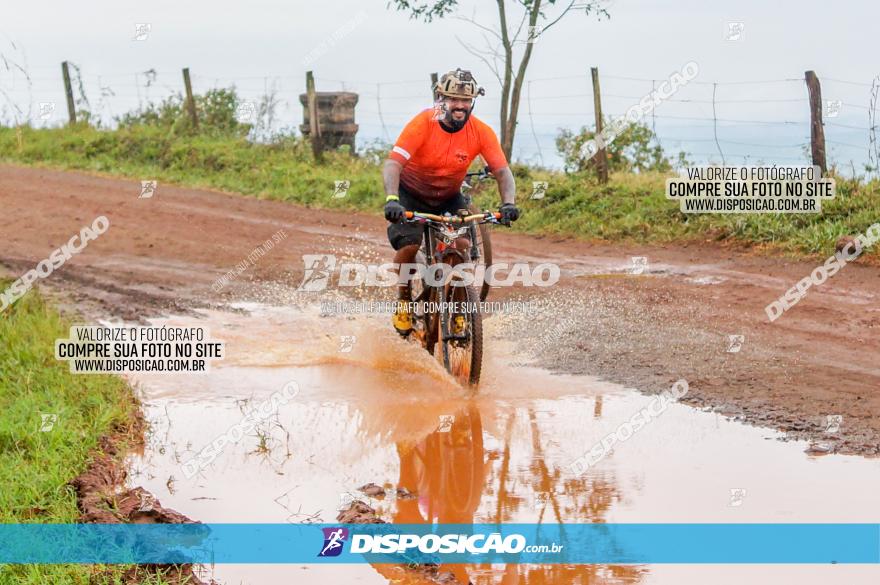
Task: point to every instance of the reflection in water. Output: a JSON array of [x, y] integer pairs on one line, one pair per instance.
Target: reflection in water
[[449, 470], [371, 415]]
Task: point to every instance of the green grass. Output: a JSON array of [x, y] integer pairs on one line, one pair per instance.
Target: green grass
[[35, 465], [631, 208]]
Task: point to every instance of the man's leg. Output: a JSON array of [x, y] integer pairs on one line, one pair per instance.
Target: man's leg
[[404, 257], [405, 239]]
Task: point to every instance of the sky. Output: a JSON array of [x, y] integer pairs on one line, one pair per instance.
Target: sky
[[385, 57]]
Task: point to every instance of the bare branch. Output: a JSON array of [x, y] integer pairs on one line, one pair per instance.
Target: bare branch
[[478, 25], [496, 57], [520, 25], [558, 18], [479, 55]]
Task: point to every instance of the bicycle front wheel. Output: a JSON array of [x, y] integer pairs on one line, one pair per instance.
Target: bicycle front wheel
[[460, 334]]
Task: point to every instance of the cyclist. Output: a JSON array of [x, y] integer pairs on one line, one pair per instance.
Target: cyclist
[[427, 165]]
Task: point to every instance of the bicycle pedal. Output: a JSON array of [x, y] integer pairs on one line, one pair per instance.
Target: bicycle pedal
[[459, 325]]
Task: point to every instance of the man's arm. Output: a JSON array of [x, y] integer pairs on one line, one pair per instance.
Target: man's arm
[[408, 143], [490, 150], [391, 177], [506, 185]]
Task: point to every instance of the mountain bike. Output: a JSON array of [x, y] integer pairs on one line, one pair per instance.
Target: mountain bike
[[446, 309]]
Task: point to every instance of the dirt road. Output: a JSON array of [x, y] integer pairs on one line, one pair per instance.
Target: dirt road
[[162, 255]]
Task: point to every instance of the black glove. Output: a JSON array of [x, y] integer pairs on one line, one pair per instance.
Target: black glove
[[394, 211], [509, 213]]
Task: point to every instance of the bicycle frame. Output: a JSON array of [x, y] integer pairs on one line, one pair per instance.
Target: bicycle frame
[[438, 247], [438, 250]]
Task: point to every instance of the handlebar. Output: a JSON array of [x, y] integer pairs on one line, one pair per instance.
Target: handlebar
[[453, 219], [481, 174]]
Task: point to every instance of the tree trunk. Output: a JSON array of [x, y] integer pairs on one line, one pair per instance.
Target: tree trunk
[[506, 143], [512, 91]]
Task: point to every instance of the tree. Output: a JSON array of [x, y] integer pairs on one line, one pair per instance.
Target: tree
[[503, 41]]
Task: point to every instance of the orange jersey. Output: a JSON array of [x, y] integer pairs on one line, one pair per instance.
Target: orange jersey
[[435, 161]]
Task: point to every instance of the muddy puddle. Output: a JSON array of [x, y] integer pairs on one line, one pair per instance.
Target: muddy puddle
[[370, 408]]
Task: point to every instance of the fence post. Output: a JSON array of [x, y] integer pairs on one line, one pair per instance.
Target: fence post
[[433, 83], [68, 90], [817, 132], [190, 101], [602, 161], [314, 126]]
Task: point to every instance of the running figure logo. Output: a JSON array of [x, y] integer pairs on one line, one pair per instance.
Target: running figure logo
[[318, 268], [334, 538]]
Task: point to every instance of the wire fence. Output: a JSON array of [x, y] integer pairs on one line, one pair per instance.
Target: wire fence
[[736, 121]]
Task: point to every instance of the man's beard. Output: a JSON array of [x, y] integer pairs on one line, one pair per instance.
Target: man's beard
[[457, 124]]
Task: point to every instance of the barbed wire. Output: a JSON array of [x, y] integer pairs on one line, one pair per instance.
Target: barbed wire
[[395, 103]]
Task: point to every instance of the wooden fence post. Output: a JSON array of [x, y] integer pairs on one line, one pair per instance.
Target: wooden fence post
[[817, 131], [190, 101], [68, 90], [602, 160], [433, 83], [314, 126]]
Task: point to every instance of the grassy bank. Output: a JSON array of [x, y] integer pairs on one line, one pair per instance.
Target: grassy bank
[[50, 420], [632, 207]]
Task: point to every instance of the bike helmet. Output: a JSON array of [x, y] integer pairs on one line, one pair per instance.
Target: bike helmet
[[458, 84]]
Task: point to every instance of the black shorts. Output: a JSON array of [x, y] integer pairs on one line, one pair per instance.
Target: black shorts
[[405, 234]]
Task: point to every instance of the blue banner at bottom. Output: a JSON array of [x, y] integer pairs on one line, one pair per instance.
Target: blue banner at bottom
[[442, 543]]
